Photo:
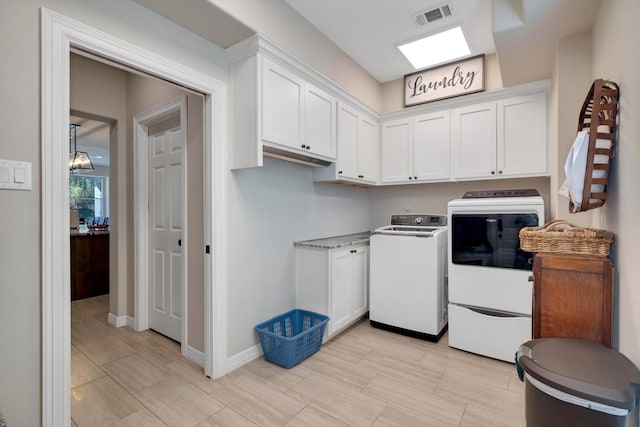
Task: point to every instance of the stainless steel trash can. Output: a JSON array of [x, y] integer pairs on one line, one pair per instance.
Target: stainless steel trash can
[[576, 382]]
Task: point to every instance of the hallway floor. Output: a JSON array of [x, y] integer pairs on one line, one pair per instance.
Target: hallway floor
[[363, 377]]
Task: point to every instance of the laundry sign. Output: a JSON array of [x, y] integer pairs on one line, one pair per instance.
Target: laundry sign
[[445, 81]]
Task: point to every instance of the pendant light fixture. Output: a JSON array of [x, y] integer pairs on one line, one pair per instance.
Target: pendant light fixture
[[78, 160]]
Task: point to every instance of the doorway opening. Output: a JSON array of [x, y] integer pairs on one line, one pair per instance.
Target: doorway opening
[[63, 36]]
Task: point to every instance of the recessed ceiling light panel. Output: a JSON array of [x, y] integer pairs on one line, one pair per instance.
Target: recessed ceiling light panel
[[437, 48]]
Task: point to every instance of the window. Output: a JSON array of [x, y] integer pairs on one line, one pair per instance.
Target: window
[[88, 195]]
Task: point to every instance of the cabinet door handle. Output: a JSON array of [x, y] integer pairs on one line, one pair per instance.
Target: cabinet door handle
[[179, 242], [304, 146], [360, 176], [410, 178], [339, 172], [415, 177], [530, 278], [308, 147], [493, 172], [353, 251], [499, 172]]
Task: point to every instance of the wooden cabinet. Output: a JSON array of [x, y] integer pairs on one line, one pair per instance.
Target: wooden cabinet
[[502, 139], [357, 151], [89, 265], [334, 282], [416, 149], [572, 297]]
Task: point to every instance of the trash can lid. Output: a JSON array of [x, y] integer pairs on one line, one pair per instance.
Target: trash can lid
[[582, 368]]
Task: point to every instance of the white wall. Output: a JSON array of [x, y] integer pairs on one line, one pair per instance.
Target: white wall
[[572, 80], [615, 57], [269, 209], [284, 26], [433, 198]]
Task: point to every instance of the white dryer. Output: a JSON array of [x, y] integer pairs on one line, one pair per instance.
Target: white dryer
[[408, 276]]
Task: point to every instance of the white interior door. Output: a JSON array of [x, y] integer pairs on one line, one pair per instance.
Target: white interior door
[[166, 145]]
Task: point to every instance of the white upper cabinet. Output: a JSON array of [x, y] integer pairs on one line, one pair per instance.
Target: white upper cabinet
[[416, 149], [357, 159], [295, 113], [473, 141], [522, 136], [397, 151], [282, 106], [347, 163], [503, 139], [319, 122], [278, 109], [368, 148], [431, 144]]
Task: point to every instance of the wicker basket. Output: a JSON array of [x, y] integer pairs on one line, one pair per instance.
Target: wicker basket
[[560, 236]]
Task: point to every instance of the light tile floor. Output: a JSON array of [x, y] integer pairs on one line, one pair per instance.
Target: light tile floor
[[363, 377]]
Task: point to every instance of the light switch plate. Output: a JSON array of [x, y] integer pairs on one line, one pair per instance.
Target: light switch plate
[[15, 175]]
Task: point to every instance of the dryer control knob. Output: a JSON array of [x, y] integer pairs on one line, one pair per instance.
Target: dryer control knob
[[419, 220]]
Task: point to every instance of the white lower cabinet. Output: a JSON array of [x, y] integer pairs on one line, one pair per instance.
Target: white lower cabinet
[[334, 282]]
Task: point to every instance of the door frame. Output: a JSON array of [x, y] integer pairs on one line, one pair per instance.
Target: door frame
[[141, 123], [59, 36]]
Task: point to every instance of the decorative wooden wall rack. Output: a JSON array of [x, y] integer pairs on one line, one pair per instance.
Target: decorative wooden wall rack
[[598, 116]]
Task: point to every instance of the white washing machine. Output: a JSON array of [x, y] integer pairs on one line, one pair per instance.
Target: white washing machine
[[408, 276]]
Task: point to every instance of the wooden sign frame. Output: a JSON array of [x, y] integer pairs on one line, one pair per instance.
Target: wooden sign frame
[[444, 81]]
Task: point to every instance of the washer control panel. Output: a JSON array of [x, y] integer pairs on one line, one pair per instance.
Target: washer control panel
[[422, 220]]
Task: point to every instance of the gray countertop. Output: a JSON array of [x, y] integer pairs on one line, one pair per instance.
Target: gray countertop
[[355, 239]]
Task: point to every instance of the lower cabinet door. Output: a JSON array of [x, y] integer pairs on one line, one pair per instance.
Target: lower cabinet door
[[360, 272], [341, 290]]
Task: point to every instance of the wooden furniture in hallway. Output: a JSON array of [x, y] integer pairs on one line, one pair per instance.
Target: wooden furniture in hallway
[[89, 265]]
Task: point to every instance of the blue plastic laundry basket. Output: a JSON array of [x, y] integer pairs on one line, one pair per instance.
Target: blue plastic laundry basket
[[291, 337]]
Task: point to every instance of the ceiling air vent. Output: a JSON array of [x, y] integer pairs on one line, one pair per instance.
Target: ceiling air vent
[[428, 16]]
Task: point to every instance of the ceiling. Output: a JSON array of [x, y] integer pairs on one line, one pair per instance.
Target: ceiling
[[369, 31], [523, 34]]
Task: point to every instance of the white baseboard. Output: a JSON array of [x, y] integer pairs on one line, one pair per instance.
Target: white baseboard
[[244, 357], [120, 321], [196, 356]]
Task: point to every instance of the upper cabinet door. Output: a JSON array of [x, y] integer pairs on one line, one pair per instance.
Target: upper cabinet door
[[368, 142], [522, 136], [473, 141], [282, 106], [347, 142], [431, 146], [319, 122], [397, 150]]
